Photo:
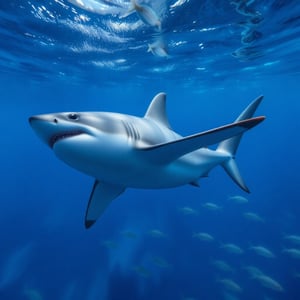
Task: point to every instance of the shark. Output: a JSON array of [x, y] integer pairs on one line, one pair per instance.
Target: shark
[[123, 151]]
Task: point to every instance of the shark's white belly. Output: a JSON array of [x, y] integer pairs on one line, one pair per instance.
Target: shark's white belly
[[185, 170], [126, 168]]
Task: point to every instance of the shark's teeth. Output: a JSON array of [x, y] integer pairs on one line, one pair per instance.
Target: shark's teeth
[[57, 137]]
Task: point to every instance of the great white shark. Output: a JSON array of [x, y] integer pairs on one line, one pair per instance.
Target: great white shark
[[122, 151]]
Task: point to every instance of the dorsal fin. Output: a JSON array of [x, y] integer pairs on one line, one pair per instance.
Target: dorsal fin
[[157, 110]]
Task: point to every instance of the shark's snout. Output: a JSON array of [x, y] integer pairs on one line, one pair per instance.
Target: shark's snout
[[40, 118], [32, 119], [49, 129]]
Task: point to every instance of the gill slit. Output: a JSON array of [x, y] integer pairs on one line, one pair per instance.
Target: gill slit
[[131, 131]]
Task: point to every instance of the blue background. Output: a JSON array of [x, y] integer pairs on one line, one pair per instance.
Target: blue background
[[46, 253]]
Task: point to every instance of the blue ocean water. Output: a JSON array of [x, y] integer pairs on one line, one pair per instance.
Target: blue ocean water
[[211, 58]]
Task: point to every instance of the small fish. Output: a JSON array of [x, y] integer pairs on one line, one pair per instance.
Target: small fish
[[230, 285], [110, 244], [203, 236], [293, 238], [292, 252], [232, 248], [211, 206], [129, 234], [222, 266], [146, 14], [158, 48], [188, 211], [262, 251], [253, 217], [32, 294], [14, 266], [297, 275], [161, 262], [157, 233], [269, 282], [238, 199], [141, 270], [253, 271], [229, 296]]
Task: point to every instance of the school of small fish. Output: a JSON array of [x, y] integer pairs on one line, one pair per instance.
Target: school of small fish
[[226, 273]]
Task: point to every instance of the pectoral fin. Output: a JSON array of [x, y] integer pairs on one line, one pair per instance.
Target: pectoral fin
[[101, 196], [167, 152]]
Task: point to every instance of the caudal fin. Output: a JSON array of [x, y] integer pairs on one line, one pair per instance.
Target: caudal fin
[[230, 146]]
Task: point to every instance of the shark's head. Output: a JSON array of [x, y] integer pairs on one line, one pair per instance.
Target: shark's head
[[80, 139], [54, 128]]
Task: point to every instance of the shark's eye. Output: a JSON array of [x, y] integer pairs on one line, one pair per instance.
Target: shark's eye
[[73, 116]]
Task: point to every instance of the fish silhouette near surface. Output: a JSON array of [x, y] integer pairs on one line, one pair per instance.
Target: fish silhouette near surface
[[123, 151], [146, 14]]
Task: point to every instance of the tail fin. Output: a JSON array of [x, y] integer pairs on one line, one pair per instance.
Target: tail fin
[[230, 146]]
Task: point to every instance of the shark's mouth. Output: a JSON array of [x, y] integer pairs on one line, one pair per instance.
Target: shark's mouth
[[61, 136]]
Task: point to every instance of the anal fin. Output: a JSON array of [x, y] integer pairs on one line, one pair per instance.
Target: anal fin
[[101, 196]]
